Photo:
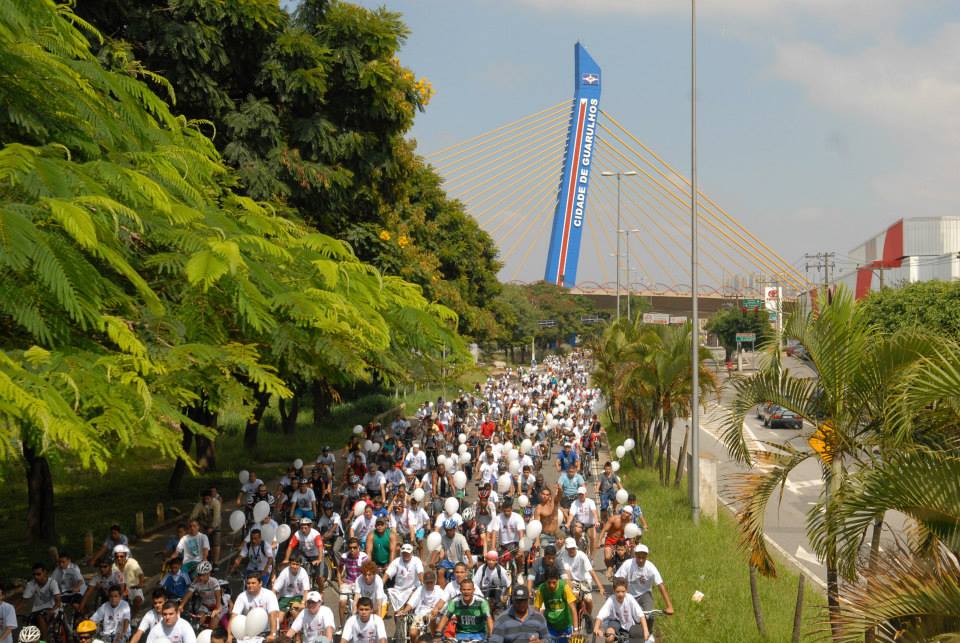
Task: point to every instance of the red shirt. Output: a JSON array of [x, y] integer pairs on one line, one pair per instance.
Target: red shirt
[[487, 429]]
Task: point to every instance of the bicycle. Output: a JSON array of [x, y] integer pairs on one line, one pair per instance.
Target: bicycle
[[402, 627]]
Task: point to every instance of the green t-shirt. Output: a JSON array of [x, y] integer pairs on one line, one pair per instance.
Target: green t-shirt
[[556, 605], [381, 547], [472, 618]]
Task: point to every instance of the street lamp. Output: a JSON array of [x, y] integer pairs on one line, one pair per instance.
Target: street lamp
[[629, 290], [694, 478], [618, 175]]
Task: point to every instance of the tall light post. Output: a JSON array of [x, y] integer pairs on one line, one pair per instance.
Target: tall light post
[[629, 290], [618, 175], [694, 479]]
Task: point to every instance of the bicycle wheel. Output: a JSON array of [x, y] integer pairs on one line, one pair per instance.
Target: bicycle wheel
[[402, 629]]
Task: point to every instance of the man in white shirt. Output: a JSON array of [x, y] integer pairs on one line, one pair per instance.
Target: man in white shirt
[[426, 603], [46, 598], [579, 568], [364, 626], [171, 627], [248, 489], [257, 596], [313, 624], [506, 529], [492, 580], [152, 617], [583, 516], [363, 524], [113, 617], [291, 585], [642, 576], [407, 572], [416, 459], [375, 483], [621, 612], [8, 618], [70, 579], [194, 547]]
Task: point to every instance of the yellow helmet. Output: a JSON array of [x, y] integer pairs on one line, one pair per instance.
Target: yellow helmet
[[86, 627]]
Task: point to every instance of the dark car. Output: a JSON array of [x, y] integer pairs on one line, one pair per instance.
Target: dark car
[[763, 410], [781, 418]]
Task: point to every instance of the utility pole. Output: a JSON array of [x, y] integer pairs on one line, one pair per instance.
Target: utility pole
[[824, 263], [694, 475]]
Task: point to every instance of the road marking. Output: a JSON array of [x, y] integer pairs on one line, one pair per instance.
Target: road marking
[[798, 487], [806, 555]]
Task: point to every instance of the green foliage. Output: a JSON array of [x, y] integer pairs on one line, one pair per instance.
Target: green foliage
[[726, 323], [522, 308], [933, 306]]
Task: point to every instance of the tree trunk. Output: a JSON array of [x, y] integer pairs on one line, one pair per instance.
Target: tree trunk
[[41, 523], [682, 460], [871, 634], [833, 582], [252, 429], [798, 612], [666, 479], [289, 410], [755, 599], [322, 401], [180, 468], [206, 453]]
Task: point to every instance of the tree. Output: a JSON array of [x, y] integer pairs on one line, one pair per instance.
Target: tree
[[726, 323], [931, 305]]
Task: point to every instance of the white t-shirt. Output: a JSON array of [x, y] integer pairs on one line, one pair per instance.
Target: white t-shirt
[[585, 511], [111, 618], [287, 585], [407, 574], [508, 528], [485, 578], [303, 498], [313, 626], [192, 547], [361, 527], [356, 631], [44, 598], [488, 471], [418, 519], [640, 580], [148, 620], [416, 461], [264, 598], [628, 613], [452, 591], [8, 618], [70, 578], [373, 591], [181, 632], [579, 567], [258, 556], [250, 488], [424, 600]]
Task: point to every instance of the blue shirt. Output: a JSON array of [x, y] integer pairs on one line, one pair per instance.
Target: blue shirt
[[566, 459], [176, 585], [569, 485]]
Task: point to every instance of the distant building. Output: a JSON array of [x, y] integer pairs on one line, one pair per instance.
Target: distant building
[[910, 250]]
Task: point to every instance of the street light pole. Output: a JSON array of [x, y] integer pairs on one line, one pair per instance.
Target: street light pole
[[694, 479], [629, 289], [618, 175]]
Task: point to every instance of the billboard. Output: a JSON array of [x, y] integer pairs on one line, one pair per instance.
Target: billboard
[[568, 219]]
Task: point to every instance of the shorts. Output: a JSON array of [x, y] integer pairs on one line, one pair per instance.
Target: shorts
[[559, 636], [303, 513], [611, 541], [420, 534], [471, 636], [422, 621], [347, 591], [214, 537]]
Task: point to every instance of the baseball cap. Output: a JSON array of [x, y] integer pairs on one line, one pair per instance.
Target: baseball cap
[[641, 549], [570, 543], [520, 593], [406, 549], [626, 509], [416, 444], [581, 489], [314, 597]]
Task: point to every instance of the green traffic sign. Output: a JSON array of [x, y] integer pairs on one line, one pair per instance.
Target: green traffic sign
[[752, 303]]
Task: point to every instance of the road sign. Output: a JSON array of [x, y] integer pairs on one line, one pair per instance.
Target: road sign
[[656, 318], [772, 315], [744, 338], [547, 322], [679, 319], [752, 304]]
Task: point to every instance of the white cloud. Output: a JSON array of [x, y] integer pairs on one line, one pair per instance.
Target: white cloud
[[911, 92]]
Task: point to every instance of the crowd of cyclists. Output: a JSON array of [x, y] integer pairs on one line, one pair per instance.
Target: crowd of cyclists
[[443, 525]]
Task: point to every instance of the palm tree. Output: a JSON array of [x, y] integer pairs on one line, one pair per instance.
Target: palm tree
[[848, 405]]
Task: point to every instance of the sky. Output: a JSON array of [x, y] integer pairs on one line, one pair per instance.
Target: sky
[[821, 122]]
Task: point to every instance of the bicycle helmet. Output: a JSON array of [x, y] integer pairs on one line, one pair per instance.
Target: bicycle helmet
[[354, 479], [87, 627], [204, 567], [121, 549], [468, 514], [327, 504], [30, 634], [305, 521], [449, 523]]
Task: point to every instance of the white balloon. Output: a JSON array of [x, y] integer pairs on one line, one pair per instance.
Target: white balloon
[[463, 438], [418, 494], [283, 533], [261, 510], [203, 637], [534, 529], [621, 452], [376, 447], [462, 449], [244, 476], [238, 626], [298, 464], [631, 530], [622, 496], [628, 444], [465, 458], [442, 459], [237, 520], [531, 430], [513, 456], [357, 430], [523, 501], [256, 621], [549, 417], [367, 445], [451, 504], [504, 482], [514, 467], [433, 541], [615, 465], [358, 507], [525, 544], [526, 445], [460, 479], [268, 532]]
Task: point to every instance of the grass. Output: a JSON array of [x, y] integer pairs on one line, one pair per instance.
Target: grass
[[708, 558]]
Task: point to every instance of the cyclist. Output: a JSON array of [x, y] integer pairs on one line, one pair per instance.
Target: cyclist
[[255, 596], [453, 549], [314, 624], [258, 555], [8, 618], [113, 617], [381, 544], [175, 582], [426, 604], [171, 627], [69, 579], [542, 567], [303, 501], [329, 525], [307, 544], [551, 516], [291, 585], [642, 576], [607, 486], [419, 523], [364, 626], [579, 568], [115, 538], [493, 581], [583, 517], [370, 585], [520, 624], [152, 617], [472, 614], [194, 547], [132, 575], [350, 565], [207, 513], [612, 533], [474, 532], [207, 590], [559, 608], [568, 483], [46, 598], [363, 524], [621, 612], [506, 529], [452, 591], [87, 632], [566, 457], [407, 575]]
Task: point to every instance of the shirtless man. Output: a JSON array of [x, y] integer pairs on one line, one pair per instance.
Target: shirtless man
[[550, 515], [613, 531]]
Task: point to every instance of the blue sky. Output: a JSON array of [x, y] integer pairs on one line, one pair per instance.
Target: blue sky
[[821, 121]]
